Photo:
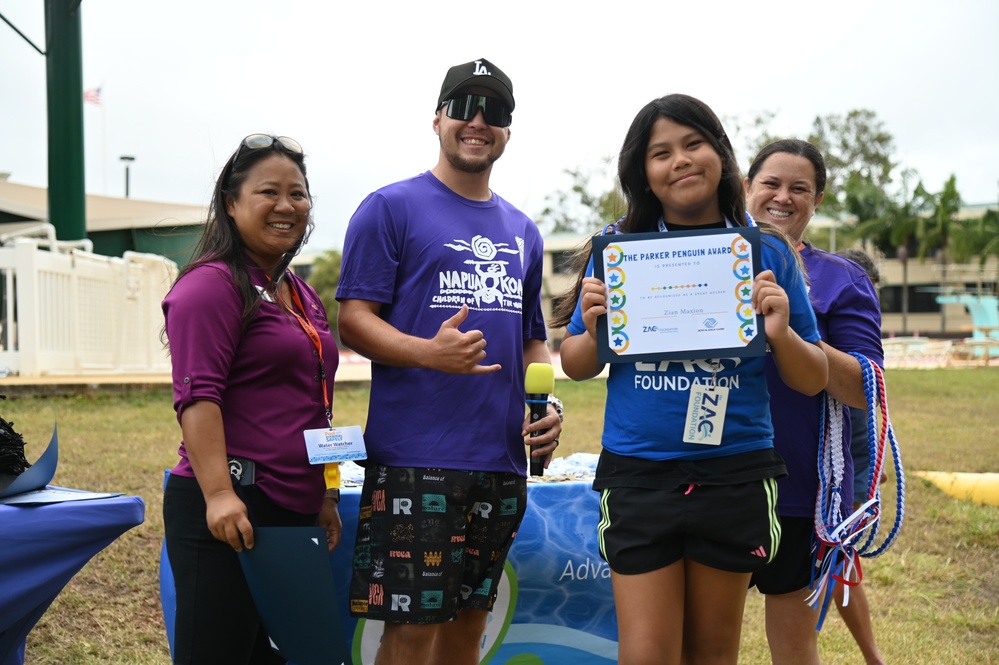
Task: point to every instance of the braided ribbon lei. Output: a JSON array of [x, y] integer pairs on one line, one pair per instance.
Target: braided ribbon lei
[[841, 541]]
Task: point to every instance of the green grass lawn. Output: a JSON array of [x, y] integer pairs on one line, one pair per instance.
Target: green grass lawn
[[934, 595]]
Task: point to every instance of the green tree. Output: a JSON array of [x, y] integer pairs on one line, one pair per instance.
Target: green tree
[[936, 230], [890, 222], [324, 278], [749, 134], [979, 237], [581, 210], [858, 153]]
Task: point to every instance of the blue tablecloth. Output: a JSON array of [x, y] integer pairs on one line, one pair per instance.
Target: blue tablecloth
[[42, 547], [555, 601]]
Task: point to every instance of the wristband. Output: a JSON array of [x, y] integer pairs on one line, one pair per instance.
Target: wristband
[[557, 403], [331, 474], [333, 494]]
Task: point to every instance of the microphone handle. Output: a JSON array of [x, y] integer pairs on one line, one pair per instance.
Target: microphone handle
[[539, 409]]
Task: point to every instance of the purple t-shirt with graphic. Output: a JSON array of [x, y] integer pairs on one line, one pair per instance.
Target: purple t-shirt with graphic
[[849, 317], [266, 379], [423, 251]]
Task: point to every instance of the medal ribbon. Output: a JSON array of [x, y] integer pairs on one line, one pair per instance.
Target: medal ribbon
[[842, 540]]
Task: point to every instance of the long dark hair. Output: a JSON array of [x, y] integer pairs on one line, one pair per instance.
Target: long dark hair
[[644, 208], [221, 240]]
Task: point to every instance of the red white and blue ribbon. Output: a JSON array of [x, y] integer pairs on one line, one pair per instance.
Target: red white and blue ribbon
[[841, 538]]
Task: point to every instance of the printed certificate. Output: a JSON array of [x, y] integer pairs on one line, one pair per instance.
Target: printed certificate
[[679, 295]]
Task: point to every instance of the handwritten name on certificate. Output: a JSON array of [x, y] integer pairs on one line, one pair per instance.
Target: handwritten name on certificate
[[679, 295]]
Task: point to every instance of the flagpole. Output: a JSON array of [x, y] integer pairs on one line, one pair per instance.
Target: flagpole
[[104, 145]]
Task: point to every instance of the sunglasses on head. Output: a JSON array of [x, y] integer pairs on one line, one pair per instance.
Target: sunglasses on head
[[262, 141], [464, 108]]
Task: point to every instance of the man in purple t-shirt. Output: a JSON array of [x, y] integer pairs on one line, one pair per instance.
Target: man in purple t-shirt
[[435, 268]]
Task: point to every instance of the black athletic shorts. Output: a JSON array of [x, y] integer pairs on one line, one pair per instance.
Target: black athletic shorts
[[431, 542], [729, 527], [791, 569]]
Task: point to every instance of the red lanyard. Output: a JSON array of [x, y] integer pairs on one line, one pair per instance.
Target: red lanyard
[[313, 334]]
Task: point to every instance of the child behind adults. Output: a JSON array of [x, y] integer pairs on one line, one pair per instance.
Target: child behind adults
[[683, 525]]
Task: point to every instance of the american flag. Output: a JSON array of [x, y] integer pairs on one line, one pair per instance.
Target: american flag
[[92, 96]]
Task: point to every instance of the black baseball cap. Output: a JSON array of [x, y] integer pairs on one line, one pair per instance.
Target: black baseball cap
[[479, 73]]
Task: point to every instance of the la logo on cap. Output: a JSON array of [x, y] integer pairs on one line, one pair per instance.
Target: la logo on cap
[[480, 69]]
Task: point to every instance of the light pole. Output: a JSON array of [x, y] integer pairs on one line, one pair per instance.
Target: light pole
[[127, 159], [903, 258]]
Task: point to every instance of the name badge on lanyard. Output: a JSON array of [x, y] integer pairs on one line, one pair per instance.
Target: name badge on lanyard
[[706, 415], [706, 412], [335, 444]]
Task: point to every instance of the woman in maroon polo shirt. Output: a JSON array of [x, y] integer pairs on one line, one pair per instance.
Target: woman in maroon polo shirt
[[253, 366]]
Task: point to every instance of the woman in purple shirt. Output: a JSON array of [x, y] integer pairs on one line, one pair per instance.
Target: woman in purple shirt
[[253, 366], [784, 186]]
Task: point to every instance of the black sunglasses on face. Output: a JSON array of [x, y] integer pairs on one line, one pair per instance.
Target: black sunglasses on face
[[464, 108], [261, 141]]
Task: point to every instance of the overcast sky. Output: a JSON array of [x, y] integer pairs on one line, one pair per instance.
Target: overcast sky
[[355, 82]]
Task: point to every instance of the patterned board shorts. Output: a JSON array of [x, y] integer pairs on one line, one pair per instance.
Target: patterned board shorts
[[431, 542]]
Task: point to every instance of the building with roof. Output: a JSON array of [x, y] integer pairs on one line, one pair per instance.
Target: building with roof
[[114, 225]]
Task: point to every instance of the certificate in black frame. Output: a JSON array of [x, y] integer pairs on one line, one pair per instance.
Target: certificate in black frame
[[753, 346]]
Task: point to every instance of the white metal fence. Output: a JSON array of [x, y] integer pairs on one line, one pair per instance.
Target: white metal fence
[[75, 312]]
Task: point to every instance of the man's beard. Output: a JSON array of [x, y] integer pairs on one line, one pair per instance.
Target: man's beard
[[460, 163], [468, 165]]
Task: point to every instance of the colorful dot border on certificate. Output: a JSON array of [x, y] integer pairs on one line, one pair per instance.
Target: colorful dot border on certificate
[[617, 316], [616, 278]]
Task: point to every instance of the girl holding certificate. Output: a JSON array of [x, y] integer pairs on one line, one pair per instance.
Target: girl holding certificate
[[683, 525]]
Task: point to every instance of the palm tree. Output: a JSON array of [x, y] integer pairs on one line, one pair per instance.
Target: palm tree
[[936, 230], [888, 223], [978, 237]]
